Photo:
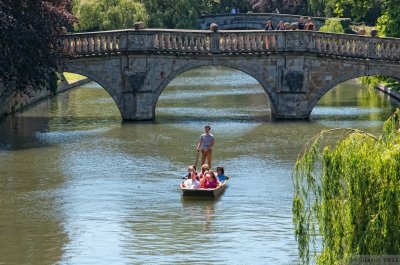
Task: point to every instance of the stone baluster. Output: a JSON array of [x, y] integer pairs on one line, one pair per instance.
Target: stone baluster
[[257, 42], [348, 46], [106, 46], [203, 43], [252, 42], [206, 42], [85, 45], [247, 43], [309, 40], [91, 43], [340, 46], [274, 42], [392, 50], [240, 42], [319, 44], [79, 45], [163, 46], [192, 42], [264, 42], [234, 38], [157, 41], [180, 42], [229, 42], [334, 45], [224, 42], [166, 42], [114, 43], [387, 49], [97, 43], [397, 51], [185, 43], [221, 43], [268, 43], [199, 43], [232, 42], [196, 40], [72, 45], [174, 42], [362, 51], [109, 43], [102, 44]]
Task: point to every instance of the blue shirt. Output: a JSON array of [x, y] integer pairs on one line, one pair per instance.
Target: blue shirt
[[222, 178]]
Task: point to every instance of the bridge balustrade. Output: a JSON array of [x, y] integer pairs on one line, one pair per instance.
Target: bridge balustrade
[[162, 41]]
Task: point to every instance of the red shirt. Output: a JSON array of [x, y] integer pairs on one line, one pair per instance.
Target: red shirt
[[210, 185]]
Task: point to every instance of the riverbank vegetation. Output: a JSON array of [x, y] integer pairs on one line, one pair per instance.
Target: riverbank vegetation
[[332, 25], [119, 14], [347, 195]]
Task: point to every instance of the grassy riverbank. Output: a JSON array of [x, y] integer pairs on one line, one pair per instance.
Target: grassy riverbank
[[72, 78]]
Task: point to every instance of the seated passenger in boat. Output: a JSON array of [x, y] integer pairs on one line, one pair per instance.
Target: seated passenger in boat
[[204, 169], [191, 169], [192, 182], [209, 181], [221, 174]]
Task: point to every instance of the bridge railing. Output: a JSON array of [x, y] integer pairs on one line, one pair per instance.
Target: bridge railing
[[230, 42]]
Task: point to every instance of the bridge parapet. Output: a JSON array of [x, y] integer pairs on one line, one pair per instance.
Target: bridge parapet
[[230, 42]]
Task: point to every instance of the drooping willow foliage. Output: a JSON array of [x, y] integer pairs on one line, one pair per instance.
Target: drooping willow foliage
[[347, 195]]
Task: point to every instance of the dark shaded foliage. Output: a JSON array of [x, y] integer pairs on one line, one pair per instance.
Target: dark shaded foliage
[[284, 6], [29, 42]]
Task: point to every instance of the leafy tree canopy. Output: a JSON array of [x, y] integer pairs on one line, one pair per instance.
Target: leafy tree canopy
[[29, 42], [332, 25], [388, 23], [285, 6], [184, 13], [347, 194], [108, 14]]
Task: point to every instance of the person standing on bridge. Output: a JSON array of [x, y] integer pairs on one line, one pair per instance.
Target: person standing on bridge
[[205, 145], [309, 25], [269, 25]]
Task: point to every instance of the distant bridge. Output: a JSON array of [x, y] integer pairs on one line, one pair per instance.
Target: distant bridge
[[256, 20], [295, 68]]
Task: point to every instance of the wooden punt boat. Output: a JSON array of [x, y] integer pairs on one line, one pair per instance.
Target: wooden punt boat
[[211, 193]]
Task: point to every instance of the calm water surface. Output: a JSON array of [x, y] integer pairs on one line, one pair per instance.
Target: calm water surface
[[79, 186]]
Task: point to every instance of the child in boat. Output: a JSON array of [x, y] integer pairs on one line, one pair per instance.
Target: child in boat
[[204, 169], [209, 181], [191, 169], [221, 174], [192, 182]]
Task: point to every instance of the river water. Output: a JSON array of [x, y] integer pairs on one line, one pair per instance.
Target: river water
[[79, 186]]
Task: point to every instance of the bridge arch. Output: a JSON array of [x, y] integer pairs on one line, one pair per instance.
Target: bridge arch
[[268, 89], [95, 78], [349, 76]]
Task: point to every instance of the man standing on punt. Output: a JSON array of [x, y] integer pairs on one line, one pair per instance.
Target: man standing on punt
[[205, 145]]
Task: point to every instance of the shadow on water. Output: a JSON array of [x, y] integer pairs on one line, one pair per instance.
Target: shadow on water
[[20, 132]]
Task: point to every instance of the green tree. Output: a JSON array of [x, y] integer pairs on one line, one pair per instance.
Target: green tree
[[108, 14], [347, 193], [285, 6], [359, 10], [184, 13], [29, 43], [388, 23], [332, 25]]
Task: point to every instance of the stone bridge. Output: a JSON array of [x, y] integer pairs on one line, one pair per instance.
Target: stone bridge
[[295, 68]]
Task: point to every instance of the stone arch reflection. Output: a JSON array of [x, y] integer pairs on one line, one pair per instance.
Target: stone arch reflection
[[353, 99]]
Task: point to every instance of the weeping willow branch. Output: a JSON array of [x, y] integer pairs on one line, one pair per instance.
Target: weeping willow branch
[[347, 194]]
